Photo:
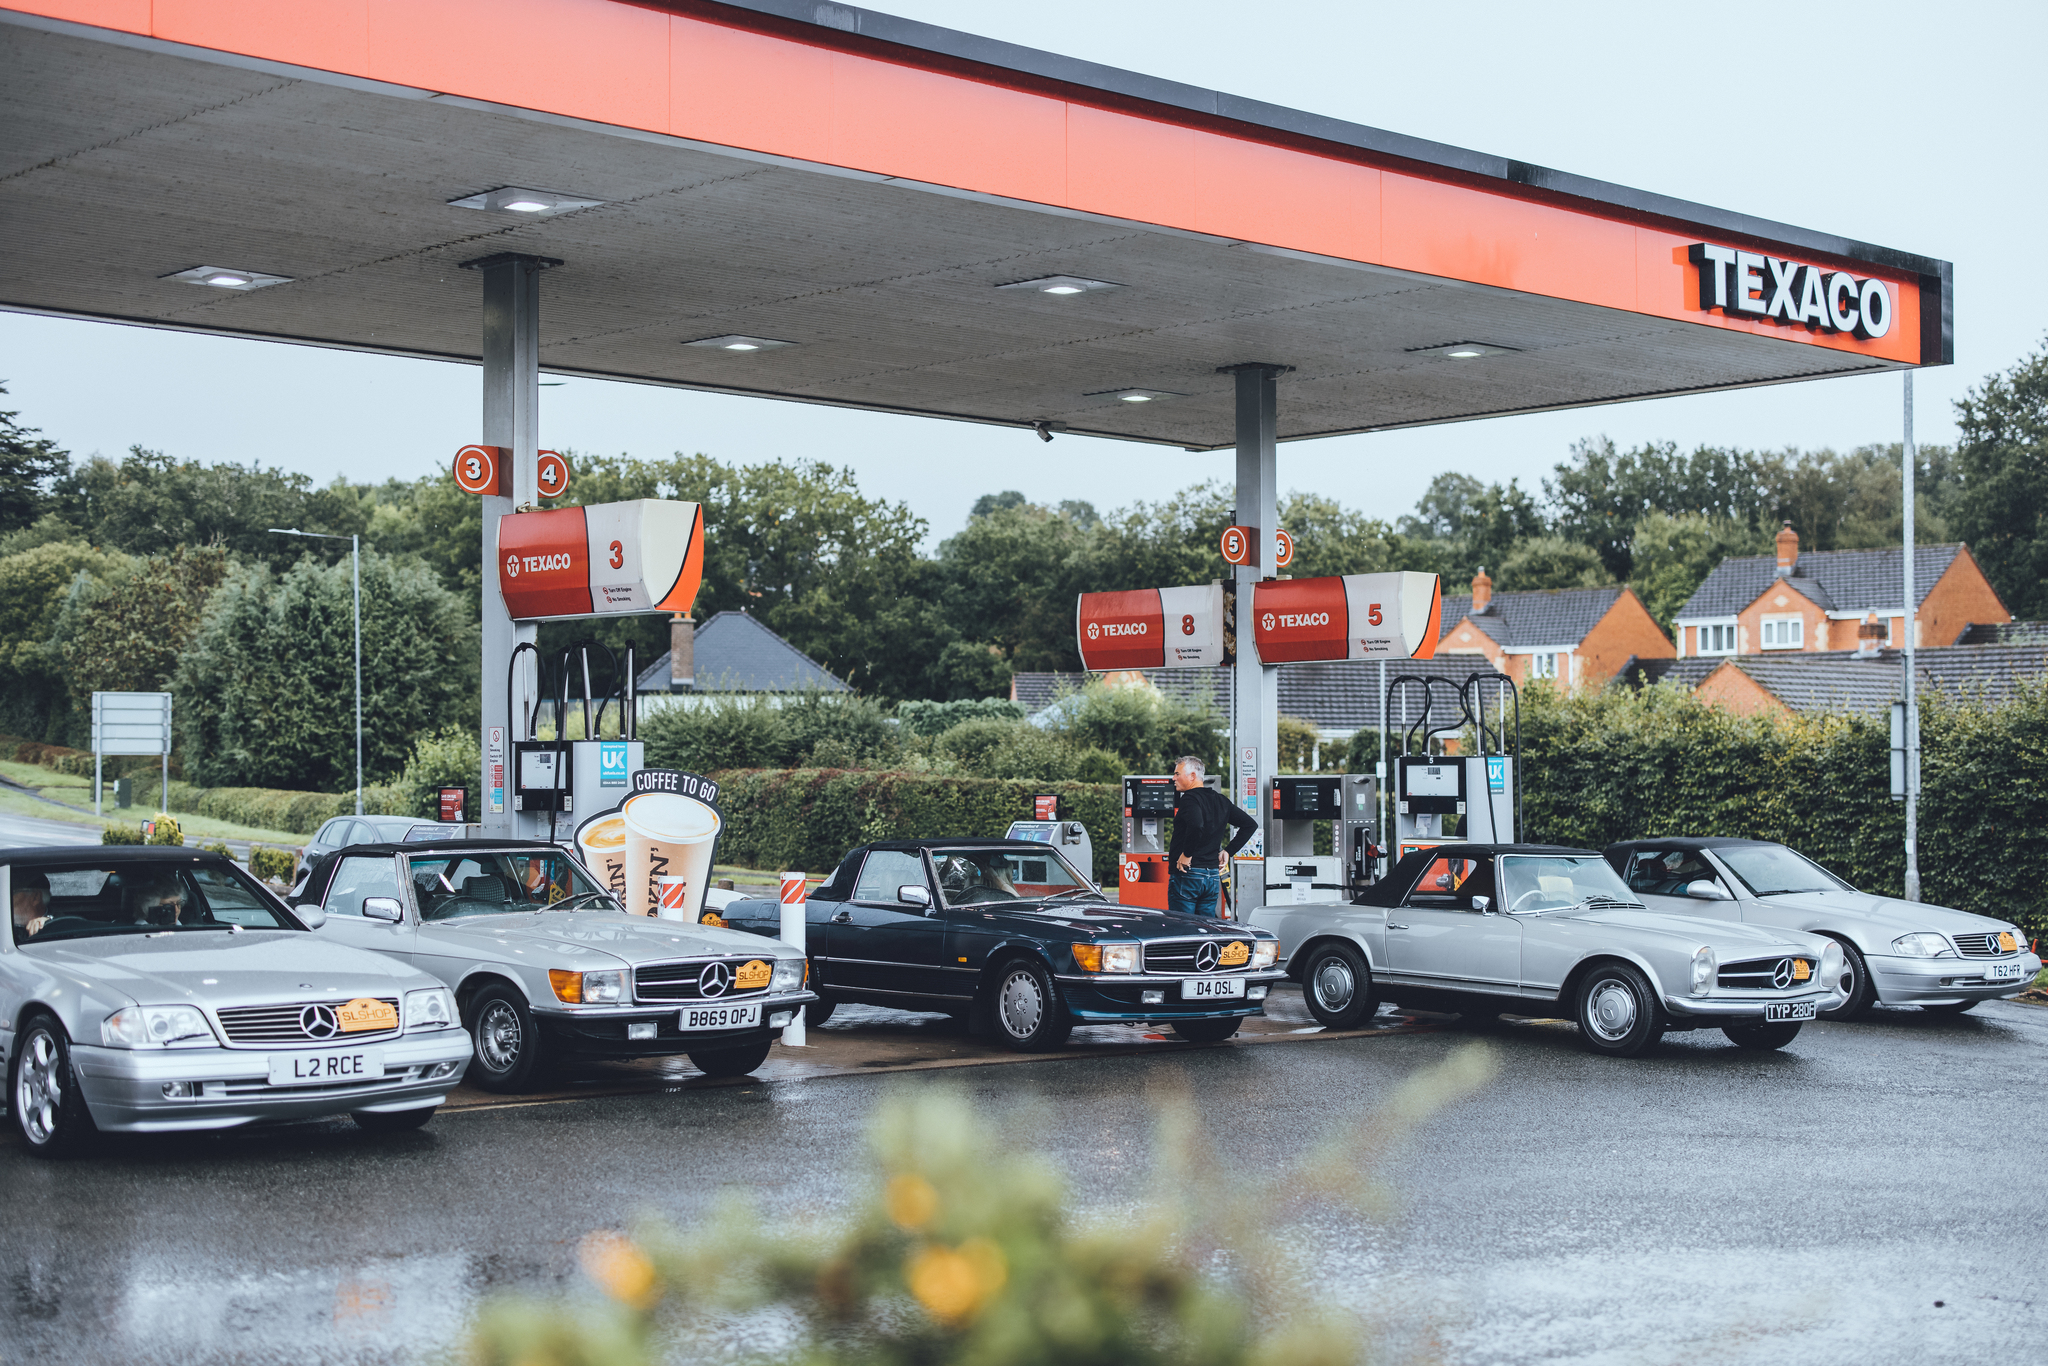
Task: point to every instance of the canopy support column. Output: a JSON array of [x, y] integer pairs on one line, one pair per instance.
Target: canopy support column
[[511, 392], [1255, 732]]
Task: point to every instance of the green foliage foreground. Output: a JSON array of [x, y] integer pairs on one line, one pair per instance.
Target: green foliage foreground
[[963, 1253], [1618, 765]]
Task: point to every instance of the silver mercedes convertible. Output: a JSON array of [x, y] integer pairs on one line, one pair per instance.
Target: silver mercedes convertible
[[1494, 929], [156, 989], [547, 966]]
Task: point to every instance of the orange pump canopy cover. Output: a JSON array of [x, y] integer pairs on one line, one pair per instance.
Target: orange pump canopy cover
[[604, 559]]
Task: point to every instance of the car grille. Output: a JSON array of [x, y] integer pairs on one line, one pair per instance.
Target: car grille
[[287, 1024], [681, 981], [1178, 955], [1761, 974], [1978, 945]]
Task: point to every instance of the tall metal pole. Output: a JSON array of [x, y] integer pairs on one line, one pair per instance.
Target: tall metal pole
[[1909, 458], [355, 559], [1258, 697], [511, 421]]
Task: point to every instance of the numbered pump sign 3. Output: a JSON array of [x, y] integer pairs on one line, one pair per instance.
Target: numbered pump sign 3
[[655, 849], [600, 560]]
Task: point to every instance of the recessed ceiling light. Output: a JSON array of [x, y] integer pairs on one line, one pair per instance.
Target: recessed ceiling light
[[735, 342], [226, 277], [1061, 284], [520, 200], [1135, 395], [1464, 350]]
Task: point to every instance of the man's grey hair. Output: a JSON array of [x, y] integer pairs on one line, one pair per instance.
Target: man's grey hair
[[1194, 762]]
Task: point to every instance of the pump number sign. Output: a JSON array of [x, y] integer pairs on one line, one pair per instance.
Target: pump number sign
[[1355, 616], [1151, 628], [600, 560], [477, 468]]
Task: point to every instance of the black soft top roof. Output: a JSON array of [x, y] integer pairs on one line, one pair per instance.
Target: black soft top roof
[[30, 856], [1694, 842]]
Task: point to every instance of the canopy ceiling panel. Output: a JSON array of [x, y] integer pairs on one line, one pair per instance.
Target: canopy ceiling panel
[[137, 142]]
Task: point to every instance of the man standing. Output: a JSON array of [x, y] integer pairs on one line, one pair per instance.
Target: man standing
[[1201, 818]]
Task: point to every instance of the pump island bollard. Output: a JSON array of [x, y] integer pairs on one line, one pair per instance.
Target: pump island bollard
[[793, 934]]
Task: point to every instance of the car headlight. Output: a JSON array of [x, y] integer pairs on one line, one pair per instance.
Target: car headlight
[[1831, 966], [606, 988], [156, 1027], [1264, 951], [429, 1009], [1106, 957], [1702, 970], [789, 975], [1922, 946]]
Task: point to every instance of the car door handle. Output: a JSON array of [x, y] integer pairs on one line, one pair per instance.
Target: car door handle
[[843, 918], [1392, 926]]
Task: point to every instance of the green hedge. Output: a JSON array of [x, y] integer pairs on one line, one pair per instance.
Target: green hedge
[[808, 818], [268, 808], [1619, 765]]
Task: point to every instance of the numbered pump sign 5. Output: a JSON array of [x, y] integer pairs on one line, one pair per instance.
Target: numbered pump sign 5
[[655, 849], [604, 559], [1356, 616]]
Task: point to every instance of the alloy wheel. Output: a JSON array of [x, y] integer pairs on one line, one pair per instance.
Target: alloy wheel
[[39, 1089], [498, 1037], [1612, 1011], [1334, 984], [1020, 1004]]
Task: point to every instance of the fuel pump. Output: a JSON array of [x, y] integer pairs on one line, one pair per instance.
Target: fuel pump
[[1141, 867], [1069, 837], [549, 776], [1467, 797], [1350, 802]]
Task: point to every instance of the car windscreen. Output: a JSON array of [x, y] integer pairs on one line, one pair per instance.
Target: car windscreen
[[1769, 869], [89, 899], [971, 877], [421, 834], [1551, 882], [450, 886]]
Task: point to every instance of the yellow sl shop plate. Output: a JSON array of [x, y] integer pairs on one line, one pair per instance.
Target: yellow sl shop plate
[[1800, 971], [2006, 942], [752, 976], [1235, 954], [366, 1015]]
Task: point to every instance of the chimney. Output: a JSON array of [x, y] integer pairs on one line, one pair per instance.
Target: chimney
[[1482, 590], [682, 655], [1870, 636], [1788, 551]]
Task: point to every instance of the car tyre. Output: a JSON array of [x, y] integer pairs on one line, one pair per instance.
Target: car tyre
[[507, 1047], [1207, 1031], [1617, 1014], [1025, 1008], [1862, 992], [392, 1121], [731, 1062], [819, 1011], [43, 1098], [1764, 1037], [1337, 986], [1951, 1008]]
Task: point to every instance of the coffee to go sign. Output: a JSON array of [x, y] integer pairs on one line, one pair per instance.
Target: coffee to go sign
[[1151, 628], [1748, 284], [602, 559], [1355, 616]]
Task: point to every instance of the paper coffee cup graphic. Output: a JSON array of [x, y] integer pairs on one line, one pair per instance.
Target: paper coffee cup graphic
[[602, 842], [668, 837]]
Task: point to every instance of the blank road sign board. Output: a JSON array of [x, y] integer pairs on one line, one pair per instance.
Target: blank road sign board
[[131, 722]]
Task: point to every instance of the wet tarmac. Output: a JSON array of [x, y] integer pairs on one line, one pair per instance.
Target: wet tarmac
[[1872, 1194]]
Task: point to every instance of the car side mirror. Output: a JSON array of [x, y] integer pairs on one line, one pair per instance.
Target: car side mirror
[[1706, 889], [383, 908], [1482, 904], [312, 917], [914, 895]]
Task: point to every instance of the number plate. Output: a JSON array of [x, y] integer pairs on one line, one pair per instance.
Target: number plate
[[2002, 972], [1789, 1010], [315, 1069], [719, 1017], [1212, 989]]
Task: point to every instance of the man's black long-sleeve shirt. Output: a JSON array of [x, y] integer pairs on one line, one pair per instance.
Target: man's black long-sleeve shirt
[[1201, 817]]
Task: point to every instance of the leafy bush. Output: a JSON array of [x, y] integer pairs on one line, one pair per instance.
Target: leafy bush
[[164, 829], [448, 758], [1145, 729], [935, 718], [1005, 748], [273, 865], [121, 834], [218, 847], [720, 730], [809, 818]]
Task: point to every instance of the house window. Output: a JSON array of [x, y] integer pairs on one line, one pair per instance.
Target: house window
[[1718, 639], [1784, 633], [1551, 664]]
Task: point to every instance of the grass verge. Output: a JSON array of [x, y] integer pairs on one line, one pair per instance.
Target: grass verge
[[196, 827]]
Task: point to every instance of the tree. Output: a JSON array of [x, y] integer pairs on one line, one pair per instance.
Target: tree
[[1550, 562], [997, 502], [34, 585], [266, 689], [126, 632], [2002, 510], [29, 463], [151, 503], [1674, 554]]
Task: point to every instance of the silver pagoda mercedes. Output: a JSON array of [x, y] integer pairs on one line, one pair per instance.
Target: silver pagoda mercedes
[[154, 989], [547, 966]]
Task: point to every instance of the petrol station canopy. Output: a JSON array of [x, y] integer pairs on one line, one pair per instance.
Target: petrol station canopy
[[878, 207]]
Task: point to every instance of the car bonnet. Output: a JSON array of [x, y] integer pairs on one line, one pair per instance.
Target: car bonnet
[[1892, 914], [1728, 938], [631, 939], [217, 968]]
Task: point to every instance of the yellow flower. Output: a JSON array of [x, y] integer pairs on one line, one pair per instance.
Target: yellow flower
[[911, 1201], [954, 1283], [620, 1269]]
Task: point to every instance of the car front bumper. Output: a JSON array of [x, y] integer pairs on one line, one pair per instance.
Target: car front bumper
[[1945, 981], [1719, 1012], [124, 1088], [1104, 998], [603, 1033]]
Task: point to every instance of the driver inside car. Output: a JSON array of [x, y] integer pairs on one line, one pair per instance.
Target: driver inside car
[[963, 881], [31, 901], [157, 900]]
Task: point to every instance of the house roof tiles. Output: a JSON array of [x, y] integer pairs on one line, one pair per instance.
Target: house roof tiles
[[1816, 681], [1836, 580], [735, 652], [1554, 616]]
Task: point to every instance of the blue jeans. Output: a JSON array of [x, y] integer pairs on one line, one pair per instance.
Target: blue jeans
[[1194, 892]]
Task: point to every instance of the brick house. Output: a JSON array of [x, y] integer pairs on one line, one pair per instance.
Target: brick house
[[1756, 604], [1867, 680], [1578, 637]]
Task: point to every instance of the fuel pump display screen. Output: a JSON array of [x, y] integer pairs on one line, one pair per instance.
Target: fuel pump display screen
[[1433, 780], [1306, 798], [537, 769], [1431, 786], [1150, 799]]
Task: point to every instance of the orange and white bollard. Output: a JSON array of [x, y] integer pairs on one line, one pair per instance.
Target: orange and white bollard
[[793, 911]]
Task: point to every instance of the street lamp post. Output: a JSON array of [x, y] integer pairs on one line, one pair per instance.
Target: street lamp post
[[355, 558]]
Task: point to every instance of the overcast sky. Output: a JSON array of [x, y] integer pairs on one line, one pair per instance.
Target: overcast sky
[[1916, 127]]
